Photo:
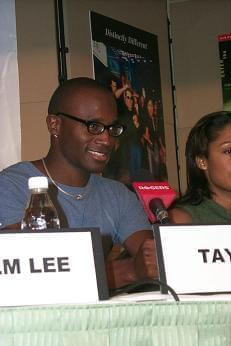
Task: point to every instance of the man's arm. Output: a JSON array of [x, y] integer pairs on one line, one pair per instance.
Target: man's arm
[[14, 226], [142, 263]]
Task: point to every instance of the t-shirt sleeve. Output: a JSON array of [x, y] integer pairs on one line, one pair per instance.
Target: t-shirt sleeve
[[12, 202], [132, 217]]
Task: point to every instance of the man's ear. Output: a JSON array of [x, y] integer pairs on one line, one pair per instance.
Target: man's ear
[[53, 125], [201, 162]]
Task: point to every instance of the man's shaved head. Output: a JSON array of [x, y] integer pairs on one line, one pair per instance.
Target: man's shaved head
[[66, 95]]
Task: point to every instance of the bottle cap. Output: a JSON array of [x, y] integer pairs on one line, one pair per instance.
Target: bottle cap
[[38, 183]]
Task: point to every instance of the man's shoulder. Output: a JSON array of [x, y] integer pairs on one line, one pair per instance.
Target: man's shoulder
[[17, 168], [18, 172]]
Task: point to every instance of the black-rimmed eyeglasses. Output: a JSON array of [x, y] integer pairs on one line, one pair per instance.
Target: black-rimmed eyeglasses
[[96, 127]]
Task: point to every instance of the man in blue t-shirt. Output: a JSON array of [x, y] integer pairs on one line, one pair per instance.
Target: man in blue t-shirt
[[84, 130]]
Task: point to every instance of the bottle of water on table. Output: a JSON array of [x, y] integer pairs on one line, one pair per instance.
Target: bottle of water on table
[[40, 212]]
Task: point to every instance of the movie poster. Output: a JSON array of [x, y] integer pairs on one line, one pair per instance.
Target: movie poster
[[225, 65], [126, 61]]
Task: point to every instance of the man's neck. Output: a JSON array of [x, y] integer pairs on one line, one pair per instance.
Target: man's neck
[[62, 172]]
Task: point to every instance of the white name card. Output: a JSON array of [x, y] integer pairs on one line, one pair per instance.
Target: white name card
[[61, 267], [194, 258]]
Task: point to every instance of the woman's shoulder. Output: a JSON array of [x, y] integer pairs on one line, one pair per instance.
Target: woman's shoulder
[[179, 215]]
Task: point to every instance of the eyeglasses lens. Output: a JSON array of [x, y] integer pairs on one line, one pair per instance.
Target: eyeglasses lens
[[97, 128], [116, 130]]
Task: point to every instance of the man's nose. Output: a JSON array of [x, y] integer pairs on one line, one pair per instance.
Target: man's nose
[[105, 138]]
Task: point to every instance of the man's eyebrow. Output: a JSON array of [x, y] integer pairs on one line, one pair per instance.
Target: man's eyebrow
[[97, 120]]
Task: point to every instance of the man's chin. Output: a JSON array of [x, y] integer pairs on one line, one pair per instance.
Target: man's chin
[[97, 170]]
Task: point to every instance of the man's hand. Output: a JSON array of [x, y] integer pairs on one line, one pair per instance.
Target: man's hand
[[141, 263], [145, 262]]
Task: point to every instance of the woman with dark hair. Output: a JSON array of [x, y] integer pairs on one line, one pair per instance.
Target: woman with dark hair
[[208, 164]]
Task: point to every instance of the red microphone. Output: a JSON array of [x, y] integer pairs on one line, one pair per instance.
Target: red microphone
[[155, 197]]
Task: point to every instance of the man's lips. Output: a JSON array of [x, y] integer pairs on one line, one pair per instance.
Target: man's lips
[[99, 155]]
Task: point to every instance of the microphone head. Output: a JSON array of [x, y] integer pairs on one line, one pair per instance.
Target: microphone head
[[156, 203], [147, 191]]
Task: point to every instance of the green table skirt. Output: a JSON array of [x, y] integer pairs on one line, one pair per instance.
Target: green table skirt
[[149, 323]]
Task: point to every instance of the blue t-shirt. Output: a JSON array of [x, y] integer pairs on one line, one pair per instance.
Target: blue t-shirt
[[107, 204]]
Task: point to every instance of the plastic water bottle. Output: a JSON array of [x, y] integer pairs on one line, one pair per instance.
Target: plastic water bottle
[[40, 212]]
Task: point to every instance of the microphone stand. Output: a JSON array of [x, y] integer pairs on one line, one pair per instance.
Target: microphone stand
[[162, 216]]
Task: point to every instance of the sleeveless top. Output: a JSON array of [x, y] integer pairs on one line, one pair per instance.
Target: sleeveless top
[[207, 212]]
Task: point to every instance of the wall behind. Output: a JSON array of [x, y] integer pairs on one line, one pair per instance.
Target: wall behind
[[195, 27], [38, 73], [38, 60]]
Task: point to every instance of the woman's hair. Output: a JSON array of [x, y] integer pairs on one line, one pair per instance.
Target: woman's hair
[[205, 131]]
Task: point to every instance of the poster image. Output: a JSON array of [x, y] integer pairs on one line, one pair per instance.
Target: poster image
[[126, 61], [225, 65]]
